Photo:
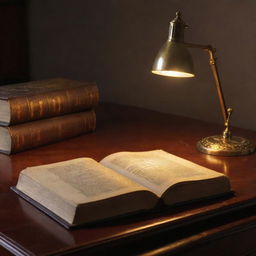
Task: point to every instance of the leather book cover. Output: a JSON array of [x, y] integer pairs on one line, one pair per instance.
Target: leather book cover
[[45, 131], [47, 98]]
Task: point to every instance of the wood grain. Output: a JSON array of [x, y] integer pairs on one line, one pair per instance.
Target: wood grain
[[122, 128]]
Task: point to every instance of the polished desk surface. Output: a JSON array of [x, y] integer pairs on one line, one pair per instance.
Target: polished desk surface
[[27, 231]]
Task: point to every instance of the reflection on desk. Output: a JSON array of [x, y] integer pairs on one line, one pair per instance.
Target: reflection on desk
[[219, 227]]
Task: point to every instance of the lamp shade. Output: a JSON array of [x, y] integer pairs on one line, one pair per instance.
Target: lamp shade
[[174, 60]]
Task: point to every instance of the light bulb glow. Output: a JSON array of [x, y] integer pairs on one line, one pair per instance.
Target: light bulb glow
[[172, 73]]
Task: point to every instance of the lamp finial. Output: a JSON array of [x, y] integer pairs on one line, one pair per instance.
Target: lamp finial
[[177, 27], [178, 14]]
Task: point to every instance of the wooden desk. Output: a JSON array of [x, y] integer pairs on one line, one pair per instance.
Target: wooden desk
[[219, 227]]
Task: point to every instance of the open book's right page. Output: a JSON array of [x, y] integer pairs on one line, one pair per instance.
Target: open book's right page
[[173, 178]]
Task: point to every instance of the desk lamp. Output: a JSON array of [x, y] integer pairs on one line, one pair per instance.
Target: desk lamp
[[175, 60]]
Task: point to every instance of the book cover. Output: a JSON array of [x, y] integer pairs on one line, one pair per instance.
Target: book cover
[[35, 100], [29, 135]]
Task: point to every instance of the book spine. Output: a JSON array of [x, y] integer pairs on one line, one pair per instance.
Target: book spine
[[42, 132], [56, 103]]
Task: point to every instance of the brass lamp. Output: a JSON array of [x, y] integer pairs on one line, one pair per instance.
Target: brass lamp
[[175, 60]]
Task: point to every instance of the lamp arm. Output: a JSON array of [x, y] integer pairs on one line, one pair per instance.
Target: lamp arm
[[225, 144], [226, 112]]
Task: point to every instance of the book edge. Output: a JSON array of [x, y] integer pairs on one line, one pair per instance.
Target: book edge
[[156, 209], [43, 209]]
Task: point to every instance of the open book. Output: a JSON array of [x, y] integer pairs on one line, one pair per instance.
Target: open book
[[82, 190]]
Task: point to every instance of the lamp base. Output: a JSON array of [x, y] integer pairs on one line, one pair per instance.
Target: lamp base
[[217, 145]]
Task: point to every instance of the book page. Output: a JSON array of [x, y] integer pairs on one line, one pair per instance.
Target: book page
[[5, 114], [82, 191], [81, 180], [157, 169]]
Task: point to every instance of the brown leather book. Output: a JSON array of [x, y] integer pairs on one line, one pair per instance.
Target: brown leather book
[[25, 102], [33, 134]]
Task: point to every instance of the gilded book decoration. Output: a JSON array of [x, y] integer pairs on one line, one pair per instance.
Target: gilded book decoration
[[28, 135], [41, 112], [35, 100]]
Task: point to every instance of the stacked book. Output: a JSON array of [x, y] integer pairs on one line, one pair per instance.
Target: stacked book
[[41, 112]]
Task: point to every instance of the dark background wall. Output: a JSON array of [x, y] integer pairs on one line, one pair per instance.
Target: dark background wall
[[13, 42], [114, 42]]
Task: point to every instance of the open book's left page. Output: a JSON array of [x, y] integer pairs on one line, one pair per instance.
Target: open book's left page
[[82, 190]]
